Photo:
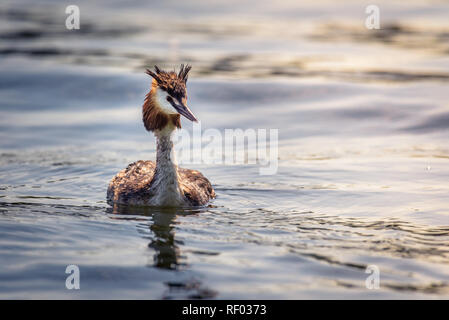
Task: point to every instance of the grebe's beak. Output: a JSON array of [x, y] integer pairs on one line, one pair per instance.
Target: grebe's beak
[[183, 109]]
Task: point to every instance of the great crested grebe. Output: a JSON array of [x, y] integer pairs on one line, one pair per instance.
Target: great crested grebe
[[162, 183]]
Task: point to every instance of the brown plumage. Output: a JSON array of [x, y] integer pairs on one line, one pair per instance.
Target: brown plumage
[[132, 185], [174, 84], [152, 115], [162, 183]]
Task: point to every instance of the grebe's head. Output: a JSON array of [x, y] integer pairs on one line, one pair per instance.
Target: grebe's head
[[171, 92]]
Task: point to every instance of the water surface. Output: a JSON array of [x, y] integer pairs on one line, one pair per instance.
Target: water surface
[[363, 175]]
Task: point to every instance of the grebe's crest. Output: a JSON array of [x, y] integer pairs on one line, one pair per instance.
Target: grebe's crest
[[172, 83], [167, 99]]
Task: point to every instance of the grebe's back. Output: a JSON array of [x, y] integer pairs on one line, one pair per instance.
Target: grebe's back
[[133, 186]]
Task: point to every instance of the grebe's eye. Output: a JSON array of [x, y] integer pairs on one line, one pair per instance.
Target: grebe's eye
[[169, 99]]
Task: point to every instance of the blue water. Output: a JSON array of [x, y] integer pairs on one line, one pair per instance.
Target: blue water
[[363, 172]]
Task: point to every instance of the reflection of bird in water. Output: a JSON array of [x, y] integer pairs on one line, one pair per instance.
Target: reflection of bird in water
[[162, 226], [162, 183], [167, 252], [168, 255]]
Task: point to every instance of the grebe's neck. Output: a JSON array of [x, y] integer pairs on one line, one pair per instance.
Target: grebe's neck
[[165, 154], [165, 183]]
